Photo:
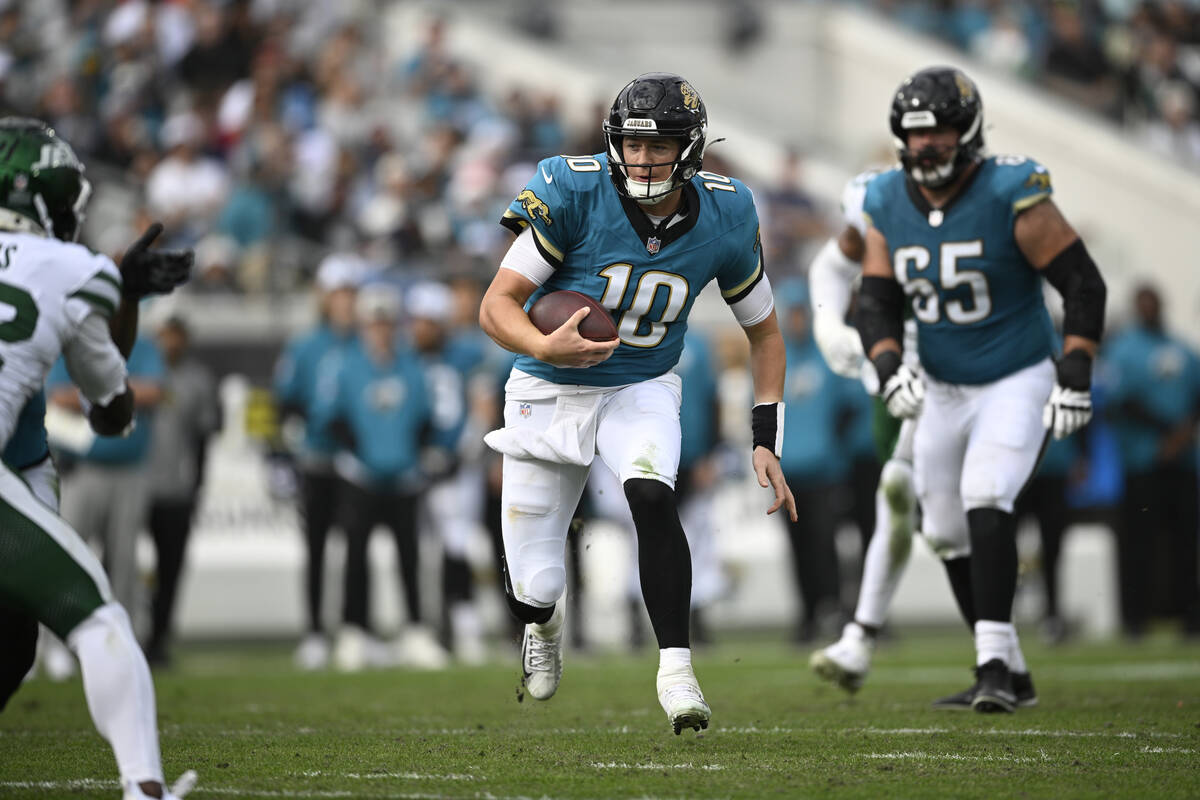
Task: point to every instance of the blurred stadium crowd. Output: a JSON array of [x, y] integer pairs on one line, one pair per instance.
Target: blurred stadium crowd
[[1137, 63], [269, 134]]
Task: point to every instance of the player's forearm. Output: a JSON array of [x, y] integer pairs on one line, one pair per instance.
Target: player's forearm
[[124, 325], [768, 362], [505, 321]]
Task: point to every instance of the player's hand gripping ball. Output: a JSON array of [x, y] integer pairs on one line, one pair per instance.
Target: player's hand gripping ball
[[551, 310]]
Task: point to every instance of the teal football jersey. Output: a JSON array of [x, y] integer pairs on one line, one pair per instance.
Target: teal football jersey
[[648, 275], [977, 301]]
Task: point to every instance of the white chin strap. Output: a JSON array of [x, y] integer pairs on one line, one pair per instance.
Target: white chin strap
[[651, 193]]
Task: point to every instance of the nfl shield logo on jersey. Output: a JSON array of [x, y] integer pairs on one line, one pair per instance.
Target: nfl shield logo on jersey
[[526, 410], [652, 245]]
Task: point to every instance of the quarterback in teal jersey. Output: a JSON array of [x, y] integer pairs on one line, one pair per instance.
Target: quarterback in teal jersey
[[965, 240], [642, 228]]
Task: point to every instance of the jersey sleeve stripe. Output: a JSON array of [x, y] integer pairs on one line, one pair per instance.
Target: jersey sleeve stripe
[[514, 222], [742, 289], [102, 304], [1029, 202], [112, 279], [102, 285]]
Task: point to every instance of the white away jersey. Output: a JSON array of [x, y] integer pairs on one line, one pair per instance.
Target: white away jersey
[[47, 289]]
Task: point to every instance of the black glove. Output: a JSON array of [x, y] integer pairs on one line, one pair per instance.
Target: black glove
[[145, 271]]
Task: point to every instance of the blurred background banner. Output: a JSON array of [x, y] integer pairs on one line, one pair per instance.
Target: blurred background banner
[[269, 135]]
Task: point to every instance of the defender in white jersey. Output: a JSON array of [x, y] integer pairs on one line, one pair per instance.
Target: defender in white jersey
[[831, 280], [63, 299]]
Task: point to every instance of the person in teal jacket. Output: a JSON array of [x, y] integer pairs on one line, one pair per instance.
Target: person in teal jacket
[[821, 406], [1154, 408]]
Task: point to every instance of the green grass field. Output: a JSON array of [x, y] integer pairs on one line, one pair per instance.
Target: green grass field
[[1114, 721]]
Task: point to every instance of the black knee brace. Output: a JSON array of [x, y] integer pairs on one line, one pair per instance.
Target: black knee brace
[[526, 613]]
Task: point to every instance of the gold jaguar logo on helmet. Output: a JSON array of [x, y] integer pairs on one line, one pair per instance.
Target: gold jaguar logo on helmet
[[691, 100], [534, 206], [966, 89]]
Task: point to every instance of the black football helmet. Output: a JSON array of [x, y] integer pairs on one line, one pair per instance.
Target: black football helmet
[[42, 187], [929, 98], [656, 104]]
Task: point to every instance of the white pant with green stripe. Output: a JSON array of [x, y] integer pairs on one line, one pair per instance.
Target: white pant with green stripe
[[49, 573]]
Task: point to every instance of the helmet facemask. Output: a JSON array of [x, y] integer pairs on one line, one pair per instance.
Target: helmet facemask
[[683, 166]]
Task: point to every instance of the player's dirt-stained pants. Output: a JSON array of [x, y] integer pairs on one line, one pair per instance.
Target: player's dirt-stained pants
[[634, 429], [48, 573], [976, 447]]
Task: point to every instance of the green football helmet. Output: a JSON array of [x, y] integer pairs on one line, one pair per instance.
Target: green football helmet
[[42, 187]]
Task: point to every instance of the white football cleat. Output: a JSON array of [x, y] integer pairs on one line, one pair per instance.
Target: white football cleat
[[846, 661], [350, 651], [313, 653], [178, 790], [680, 696], [419, 648], [542, 654], [58, 662], [467, 635]]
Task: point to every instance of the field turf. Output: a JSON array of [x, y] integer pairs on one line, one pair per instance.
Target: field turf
[[1115, 720]]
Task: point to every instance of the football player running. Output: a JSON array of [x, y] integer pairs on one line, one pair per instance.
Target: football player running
[[964, 240], [831, 278], [65, 300], [644, 229], [837, 266]]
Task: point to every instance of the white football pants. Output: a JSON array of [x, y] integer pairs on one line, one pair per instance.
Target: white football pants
[[976, 447], [635, 431]]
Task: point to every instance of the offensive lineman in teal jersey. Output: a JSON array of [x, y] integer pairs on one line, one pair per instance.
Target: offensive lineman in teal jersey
[[965, 240], [642, 229]]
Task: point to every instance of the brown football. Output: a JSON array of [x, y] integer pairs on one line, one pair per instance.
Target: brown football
[[551, 310]]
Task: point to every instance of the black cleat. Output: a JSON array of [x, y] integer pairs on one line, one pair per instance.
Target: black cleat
[[695, 724], [1023, 688], [957, 702], [994, 691], [1022, 683]]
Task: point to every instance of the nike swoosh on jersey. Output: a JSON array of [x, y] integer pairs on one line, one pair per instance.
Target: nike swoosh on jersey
[[549, 178]]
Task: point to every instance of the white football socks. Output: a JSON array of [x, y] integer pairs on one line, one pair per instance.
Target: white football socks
[[1016, 659], [674, 659], [994, 640], [119, 691]]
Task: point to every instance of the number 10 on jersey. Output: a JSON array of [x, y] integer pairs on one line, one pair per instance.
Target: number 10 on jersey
[[631, 321]]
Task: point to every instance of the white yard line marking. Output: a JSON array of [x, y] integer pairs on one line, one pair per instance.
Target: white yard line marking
[[652, 765], [376, 776], [230, 791], [1120, 672], [224, 791], [1167, 750], [931, 731], [920, 755]]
